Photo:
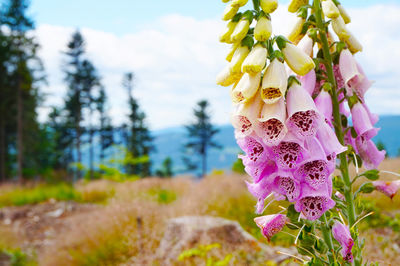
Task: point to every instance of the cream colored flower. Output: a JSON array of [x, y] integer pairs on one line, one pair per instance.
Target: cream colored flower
[[239, 3], [263, 29], [274, 83], [297, 60], [246, 88], [295, 34], [294, 5], [353, 44], [330, 9], [255, 60], [344, 14], [237, 59], [339, 27], [269, 6], [229, 12], [232, 51], [240, 30], [226, 33], [226, 77]]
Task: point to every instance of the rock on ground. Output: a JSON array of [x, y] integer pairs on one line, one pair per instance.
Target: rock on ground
[[188, 232]]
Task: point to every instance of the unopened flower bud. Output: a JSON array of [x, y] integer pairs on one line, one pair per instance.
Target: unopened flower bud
[[388, 188], [297, 60], [232, 51], [225, 1], [226, 33], [353, 44], [239, 3], [255, 60], [226, 77], [296, 4], [344, 14], [238, 58], [229, 12], [242, 27], [269, 6], [330, 10], [339, 27], [263, 29], [295, 34], [342, 234]]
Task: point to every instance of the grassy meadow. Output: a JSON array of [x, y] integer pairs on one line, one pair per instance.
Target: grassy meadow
[[97, 223]]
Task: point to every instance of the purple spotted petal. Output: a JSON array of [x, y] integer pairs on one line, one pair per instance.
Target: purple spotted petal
[[271, 224], [338, 76], [285, 184], [323, 102], [313, 203], [289, 153], [271, 126], [388, 188], [259, 171], [315, 173], [342, 235], [304, 118], [254, 148]]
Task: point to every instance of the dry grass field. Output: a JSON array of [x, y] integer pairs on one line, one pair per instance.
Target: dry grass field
[[99, 224]]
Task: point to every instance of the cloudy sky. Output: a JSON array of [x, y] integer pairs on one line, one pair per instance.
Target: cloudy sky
[[172, 48]]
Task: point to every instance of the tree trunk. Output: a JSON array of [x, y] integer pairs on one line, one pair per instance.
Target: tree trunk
[[2, 147], [20, 144], [204, 168], [91, 152]]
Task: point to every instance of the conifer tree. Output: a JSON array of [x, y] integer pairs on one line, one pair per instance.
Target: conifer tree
[[106, 130], [200, 135], [139, 140], [22, 76]]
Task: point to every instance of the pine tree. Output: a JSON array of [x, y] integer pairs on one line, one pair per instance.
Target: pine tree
[[106, 130], [166, 168], [200, 138], [139, 140], [23, 68], [75, 80]]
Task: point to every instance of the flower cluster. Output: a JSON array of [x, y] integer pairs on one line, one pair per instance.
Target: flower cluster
[[299, 104]]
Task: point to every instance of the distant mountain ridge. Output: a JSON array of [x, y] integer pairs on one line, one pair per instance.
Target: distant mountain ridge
[[169, 142]]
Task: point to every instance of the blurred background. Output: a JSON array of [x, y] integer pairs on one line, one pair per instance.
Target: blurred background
[[95, 96]]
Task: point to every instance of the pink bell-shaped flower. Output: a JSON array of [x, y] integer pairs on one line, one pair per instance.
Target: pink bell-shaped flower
[[342, 235], [369, 153], [350, 73], [308, 81], [362, 122], [289, 153], [271, 126], [271, 224], [313, 203], [323, 102], [329, 141], [286, 185], [304, 118], [388, 188]]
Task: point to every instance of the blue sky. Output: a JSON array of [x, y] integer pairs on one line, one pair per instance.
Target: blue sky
[[173, 49], [124, 16]]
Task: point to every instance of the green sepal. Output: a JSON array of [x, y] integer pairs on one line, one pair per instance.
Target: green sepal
[[237, 17], [248, 41], [248, 15], [281, 41], [367, 188], [371, 174], [337, 182], [292, 79], [302, 12], [320, 246]]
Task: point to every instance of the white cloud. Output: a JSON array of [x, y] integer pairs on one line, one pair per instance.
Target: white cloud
[[176, 59]]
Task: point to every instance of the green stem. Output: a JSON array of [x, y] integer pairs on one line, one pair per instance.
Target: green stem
[[328, 239], [256, 4], [344, 167]]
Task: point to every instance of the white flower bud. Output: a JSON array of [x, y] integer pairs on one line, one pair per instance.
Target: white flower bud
[[297, 60], [263, 29], [330, 10], [255, 60]]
